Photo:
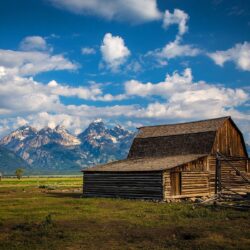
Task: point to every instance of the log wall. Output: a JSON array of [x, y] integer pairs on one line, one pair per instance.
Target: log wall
[[140, 185], [194, 180], [193, 184]]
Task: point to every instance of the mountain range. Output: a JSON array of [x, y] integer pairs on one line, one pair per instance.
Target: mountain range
[[58, 151]]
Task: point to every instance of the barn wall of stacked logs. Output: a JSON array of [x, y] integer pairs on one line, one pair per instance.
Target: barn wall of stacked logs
[[186, 181], [140, 185]]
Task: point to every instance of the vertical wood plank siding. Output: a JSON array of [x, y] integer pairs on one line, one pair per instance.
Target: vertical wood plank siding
[[228, 141], [141, 185], [229, 177]]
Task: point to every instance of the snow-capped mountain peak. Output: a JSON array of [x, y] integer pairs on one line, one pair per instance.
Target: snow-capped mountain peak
[[57, 148], [98, 120], [19, 134], [95, 129]]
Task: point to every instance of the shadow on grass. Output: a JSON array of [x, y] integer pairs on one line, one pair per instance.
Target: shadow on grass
[[64, 195]]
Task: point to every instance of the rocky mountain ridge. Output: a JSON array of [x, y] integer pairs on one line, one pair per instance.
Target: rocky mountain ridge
[[57, 150]]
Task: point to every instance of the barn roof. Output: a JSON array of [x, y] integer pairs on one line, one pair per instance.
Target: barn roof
[[145, 164], [181, 128], [176, 139], [185, 144]]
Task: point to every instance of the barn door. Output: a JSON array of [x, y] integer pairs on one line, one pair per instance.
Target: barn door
[[176, 183]]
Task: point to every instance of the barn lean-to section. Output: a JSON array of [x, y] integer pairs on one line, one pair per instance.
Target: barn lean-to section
[[132, 178], [169, 162]]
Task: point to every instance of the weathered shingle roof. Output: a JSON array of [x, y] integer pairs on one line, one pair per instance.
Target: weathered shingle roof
[[181, 128], [145, 164], [176, 139], [184, 144]]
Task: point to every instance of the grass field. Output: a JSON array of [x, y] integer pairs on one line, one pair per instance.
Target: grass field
[[49, 213]]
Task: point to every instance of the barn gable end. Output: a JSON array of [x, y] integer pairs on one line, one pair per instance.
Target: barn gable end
[[229, 140]]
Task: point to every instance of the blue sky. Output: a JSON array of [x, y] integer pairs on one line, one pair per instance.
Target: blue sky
[[135, 62]]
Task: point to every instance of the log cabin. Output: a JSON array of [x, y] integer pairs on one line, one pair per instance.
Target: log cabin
[[175, 161]]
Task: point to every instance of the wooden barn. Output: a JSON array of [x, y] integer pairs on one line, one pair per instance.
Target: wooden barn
[[168, 162]]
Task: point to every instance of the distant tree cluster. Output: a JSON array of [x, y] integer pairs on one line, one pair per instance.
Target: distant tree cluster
[[19, 173]]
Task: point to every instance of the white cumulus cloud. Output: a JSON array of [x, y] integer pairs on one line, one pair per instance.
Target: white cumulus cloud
[[88, 51], [178, 17], [185, 98], [176, 49], [20, 94], [239, 54], [172, 50], [33, 43], [33, 62], [114, 51], [135, 11]]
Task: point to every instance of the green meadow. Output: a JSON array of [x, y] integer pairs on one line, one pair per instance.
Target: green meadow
[[50, 213]]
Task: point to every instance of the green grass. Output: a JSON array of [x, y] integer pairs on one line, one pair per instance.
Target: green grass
[[34, 216]]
